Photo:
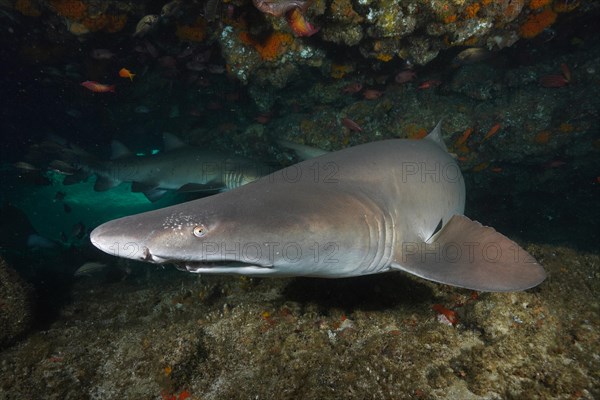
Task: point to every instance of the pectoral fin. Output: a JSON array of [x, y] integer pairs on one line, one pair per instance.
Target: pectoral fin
[[467, 254]]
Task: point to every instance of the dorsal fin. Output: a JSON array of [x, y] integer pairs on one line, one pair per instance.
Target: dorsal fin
[[172, 142], [436, 136], [119, 150]]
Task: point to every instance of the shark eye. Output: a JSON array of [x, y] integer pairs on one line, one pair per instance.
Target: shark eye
[[199, 230]]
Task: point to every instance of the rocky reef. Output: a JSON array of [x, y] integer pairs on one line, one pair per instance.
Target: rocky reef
[[16, 305], [172, 335], [257, 44]]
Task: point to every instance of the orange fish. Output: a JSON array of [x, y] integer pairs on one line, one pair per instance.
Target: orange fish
[[125, 73], [98, 87], [372, 94], [353, 126], [354, 87], [553, 81], [493, 130], [430, 84], [299, 25], [461, 140]]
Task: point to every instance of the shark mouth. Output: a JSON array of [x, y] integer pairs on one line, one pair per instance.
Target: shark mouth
[[224, 265], [209, 266]]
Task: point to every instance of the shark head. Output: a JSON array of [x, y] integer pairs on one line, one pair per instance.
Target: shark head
[[252, 232]]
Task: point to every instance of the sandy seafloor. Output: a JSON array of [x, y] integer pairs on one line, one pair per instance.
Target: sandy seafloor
[[161, 333]]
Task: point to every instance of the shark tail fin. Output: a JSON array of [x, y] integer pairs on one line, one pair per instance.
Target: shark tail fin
[[466, 254]]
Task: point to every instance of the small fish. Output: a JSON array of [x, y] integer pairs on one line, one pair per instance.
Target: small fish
[[405, 76], [264, 118], [353, 126], [67, 208], [299, 25], [216, 69], [493, 130], [553, 81], [372, 94], [90, 268], [102, 54], [352, 88], [62, 167], [194, 65], [145, 25], [167, 62], [71, 112], [430, 84], [60, 196], [25, 166], [554, 164], [98, 87], [125, 73], [141, 109], [63, 237], [471, 56], [151, 49], [556, 80], [78, 230], [188, 51], [171, 9], [464, 137]]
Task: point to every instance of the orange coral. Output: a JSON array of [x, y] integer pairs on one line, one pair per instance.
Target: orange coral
[[192, 33], [275, 45], [536, 23], [106, 22], [542, 137], [472, 10], [116, 23], [95, 23], [537, 4], [385, 57], [72, 9], [566, 127], [481, 167], [449, 19], [28, 8], [420, 134]]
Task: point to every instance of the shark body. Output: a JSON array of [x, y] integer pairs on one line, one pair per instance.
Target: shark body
[[181, 167], [388, 205]]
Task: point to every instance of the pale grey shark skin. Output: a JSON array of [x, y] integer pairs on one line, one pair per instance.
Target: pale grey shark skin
[[393, 204], [180, 167]]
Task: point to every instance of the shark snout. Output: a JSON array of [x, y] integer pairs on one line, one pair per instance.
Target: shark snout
[[117, 240]]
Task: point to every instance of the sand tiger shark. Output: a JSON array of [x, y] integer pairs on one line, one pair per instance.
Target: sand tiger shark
[[383, 206], [181, 167]]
